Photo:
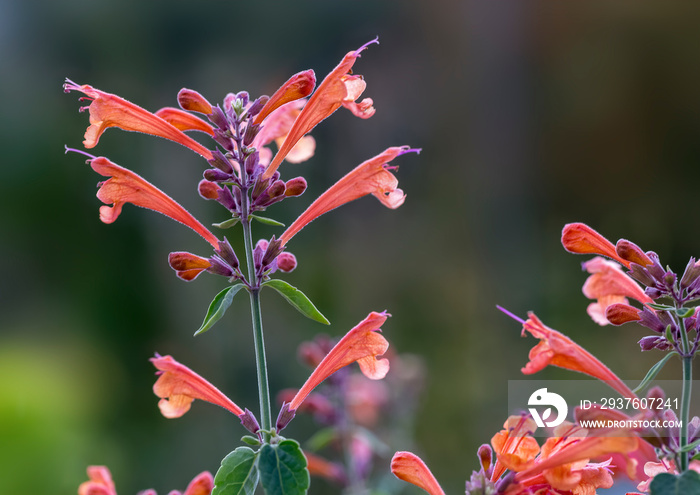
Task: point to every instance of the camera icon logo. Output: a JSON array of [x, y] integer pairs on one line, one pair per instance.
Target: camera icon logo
[[543, 398]]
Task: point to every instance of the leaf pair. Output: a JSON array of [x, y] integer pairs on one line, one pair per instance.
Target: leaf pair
[[280, 468], [293, 296]]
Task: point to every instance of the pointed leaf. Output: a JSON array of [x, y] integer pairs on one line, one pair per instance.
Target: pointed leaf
[[218, 307], [667, 484], [227, 224], [653, 371], [283, 469], [267, 221], [298, 299], [238, 474]]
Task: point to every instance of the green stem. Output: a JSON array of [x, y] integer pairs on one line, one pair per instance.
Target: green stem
[[256, 313], [685, 397]]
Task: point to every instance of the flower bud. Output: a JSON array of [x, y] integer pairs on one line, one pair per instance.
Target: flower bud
[[221, 162], [629, 251], [219, 267], [226, 252], [251, 162], [286, 262], [208, 190], [295, 187], [189, 99], [250, 132], [215, 175], [620, 313], [257, 105]]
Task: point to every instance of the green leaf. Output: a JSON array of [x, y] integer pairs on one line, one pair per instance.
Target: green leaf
[[660, 307], [238, 474], [267, 221], [685, 312], [218, 307], [298, 299], [251, 440], [227, 224], [687, 483], [653, 371], [283, 469]]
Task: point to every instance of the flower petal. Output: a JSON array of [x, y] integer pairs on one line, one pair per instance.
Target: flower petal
[[184, 121], [370, 177], [330, 95], [124, 186], [100, 482], [187, 265], [362, 344], [579, 238], [410, 468], [108, 110], [298, 86], [178, 386]]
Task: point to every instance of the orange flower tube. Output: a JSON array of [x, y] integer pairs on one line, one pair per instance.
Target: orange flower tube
[[124, 186], [108, 110], [362, 344], [370, 177], [409, 467]]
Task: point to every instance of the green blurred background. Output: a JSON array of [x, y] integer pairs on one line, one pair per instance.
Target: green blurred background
[[530, 115]]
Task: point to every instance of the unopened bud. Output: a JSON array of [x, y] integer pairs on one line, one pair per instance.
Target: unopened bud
[[215, 175], [208, 190], [257, 105], [276, 189], [221, 162], [286, 262], [189, 99], [629, 251], [620, 313], [251, 162], [295, 187]]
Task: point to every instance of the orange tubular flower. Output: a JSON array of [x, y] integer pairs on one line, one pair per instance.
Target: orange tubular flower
[[124, 186], [108, 110], [184, 121], [609, 285], [339, 88], [101, 484], [513, 445], [410, 468], [370, 177], [298, 86], [557, 349], [362, 344], [187, 265], [177, 386], [579, 238]]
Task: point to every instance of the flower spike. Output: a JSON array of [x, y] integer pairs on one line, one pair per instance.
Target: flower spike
[[339, 88], [177, 386], [410, 468], [370, 177], [124, 186], [362, 344], [108, 110]]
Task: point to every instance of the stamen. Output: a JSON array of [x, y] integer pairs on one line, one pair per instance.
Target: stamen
[[503, 310], [92, 157], [375, 40]]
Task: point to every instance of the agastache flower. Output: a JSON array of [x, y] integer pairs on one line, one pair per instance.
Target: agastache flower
[[339, 88], [609, 285], [298, 86], [579, 238], [125, 186], [101, 484], [557, 349], [408, 467], [370, 177], [109, 110], [177, 386]]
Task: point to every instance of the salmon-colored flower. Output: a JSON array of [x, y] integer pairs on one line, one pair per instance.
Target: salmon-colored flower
[[101, 484], [651, 469], [579, 238], [298, 86], [609, 285], [362, 344], [187, 266], [177, 386], [276, 128], [410, 468], [514, 445], [184, 121], [339, 88], [109, 110], [124, 186], [370, 177], [556, 349], [323, 468]]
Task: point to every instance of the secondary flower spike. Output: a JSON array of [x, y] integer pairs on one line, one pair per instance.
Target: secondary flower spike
[[362, 344], [124, 186], [177, 386], [108, 110], [370, 177], [338, 88]]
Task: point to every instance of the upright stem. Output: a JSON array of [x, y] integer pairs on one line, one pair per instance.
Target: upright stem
[[256, 314], [687, 359]]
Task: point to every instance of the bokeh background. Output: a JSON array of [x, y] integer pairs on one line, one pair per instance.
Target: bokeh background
[[530, 115]]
